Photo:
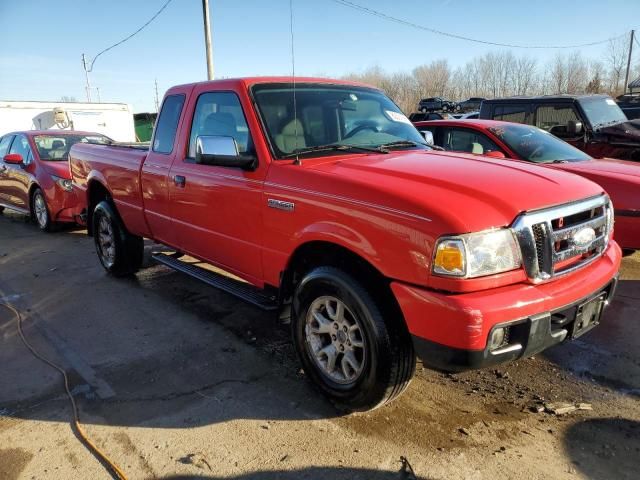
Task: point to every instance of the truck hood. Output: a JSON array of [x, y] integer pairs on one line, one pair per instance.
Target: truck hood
[[467, 192], [624, 132], [59, 169]]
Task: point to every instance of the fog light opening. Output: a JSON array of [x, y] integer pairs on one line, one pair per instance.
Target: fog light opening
[[499, 338]]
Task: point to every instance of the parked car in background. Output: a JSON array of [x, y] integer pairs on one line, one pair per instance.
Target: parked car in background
[[419, 116], [436, 104], [593, 123], [471, 104], [630, 105], [35, 177], [338, 217], [115, 120], [620, 179], [470, 115]]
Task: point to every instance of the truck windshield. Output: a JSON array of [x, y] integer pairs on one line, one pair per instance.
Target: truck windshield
[[55, 148], [602, 111], [536, 145], [332, 116]]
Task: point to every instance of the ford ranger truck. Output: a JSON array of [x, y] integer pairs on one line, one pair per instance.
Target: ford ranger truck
[[325, 204]]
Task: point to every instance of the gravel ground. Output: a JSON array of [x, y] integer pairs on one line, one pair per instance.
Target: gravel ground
[[176, 380]]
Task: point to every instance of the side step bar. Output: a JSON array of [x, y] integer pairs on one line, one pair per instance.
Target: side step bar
[[245, 291]]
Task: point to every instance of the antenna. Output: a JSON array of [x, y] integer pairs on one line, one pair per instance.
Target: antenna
[[293, 79]]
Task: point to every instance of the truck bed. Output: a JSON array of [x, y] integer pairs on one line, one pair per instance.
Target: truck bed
[[119, 164]]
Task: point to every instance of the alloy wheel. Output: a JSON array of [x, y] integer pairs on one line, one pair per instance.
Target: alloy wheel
[[335, 340]]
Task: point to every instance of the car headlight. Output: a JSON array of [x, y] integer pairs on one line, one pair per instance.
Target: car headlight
[[64, 183], [477, 254], [610, 220]]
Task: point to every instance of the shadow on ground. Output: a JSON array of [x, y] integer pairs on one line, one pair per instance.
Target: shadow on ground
[[605, 448], [312, 473]]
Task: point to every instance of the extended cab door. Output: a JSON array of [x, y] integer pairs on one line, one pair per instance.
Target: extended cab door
[[216, 210], [154, 174]]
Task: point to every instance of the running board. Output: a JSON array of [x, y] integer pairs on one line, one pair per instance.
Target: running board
[[242, 290]]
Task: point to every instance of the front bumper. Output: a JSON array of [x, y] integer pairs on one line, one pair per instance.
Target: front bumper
[[450, 332], [527, 337]]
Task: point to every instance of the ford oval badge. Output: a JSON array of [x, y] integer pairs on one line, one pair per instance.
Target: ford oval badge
[[584, 237]]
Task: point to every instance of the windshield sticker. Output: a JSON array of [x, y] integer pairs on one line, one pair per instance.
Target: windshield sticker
[[397, 117], [610, 101], [497, 131]]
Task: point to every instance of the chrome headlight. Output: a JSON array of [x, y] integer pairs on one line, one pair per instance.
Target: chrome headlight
[[63, 183], [477, 254]]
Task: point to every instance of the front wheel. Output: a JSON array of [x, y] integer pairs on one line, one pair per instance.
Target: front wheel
[[119, 252], [40, 211], [355, 355]]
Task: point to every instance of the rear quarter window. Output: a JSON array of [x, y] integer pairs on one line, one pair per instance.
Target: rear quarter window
[[167, 126], [511, 113]]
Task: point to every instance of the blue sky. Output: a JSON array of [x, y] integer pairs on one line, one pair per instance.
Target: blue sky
[[41, 41]]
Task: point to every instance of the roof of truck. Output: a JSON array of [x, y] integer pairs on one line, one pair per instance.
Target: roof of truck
[[250, 81], [542, 98]]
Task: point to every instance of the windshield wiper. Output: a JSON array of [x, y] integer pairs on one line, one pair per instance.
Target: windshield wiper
[[334, 147], [402, 143]]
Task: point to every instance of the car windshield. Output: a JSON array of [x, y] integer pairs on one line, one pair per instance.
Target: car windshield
[[332, 116], [55, 148], [602, 111], [536, 145]]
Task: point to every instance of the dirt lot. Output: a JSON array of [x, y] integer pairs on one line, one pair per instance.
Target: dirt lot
[[176, 380]]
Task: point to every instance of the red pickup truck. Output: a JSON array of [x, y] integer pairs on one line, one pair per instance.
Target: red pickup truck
[[326, 205]]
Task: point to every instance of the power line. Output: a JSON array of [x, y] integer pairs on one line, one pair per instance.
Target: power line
[[130, 36], [376, 13]]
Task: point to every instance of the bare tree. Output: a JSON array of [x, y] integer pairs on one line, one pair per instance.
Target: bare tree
[[67, 99], [616, 60]]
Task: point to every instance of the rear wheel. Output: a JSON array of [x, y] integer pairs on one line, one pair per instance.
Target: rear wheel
[[119, 252], [40, 211], [356, 356]]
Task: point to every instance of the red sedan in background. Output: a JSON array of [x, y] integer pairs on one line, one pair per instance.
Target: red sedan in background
[[34, 174], [621, 179]]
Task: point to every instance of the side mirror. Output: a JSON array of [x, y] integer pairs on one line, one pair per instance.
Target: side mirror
[[13, 159], [574, 128], [221, 151], [428, 137], [495, 154]]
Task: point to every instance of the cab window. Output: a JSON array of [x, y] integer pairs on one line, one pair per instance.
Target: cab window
[[4, 145], [511, 113], [469, 141], [220, 114], [21, 145], [554, 118], [165, 133]]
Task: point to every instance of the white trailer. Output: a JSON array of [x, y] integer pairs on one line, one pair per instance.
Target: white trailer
[[115, 120]]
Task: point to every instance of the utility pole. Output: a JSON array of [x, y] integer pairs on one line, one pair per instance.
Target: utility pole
[[98, 92], [626, 77], [157, 101], [207, 38], [86, 75]]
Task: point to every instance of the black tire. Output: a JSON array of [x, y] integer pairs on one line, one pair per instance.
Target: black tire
[[40, 211], [120, 253], [388, 360]]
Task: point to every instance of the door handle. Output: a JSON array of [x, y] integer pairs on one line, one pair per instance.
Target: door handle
[[180, 181]]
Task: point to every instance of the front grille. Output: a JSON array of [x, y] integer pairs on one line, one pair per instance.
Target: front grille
[[558, 240]]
